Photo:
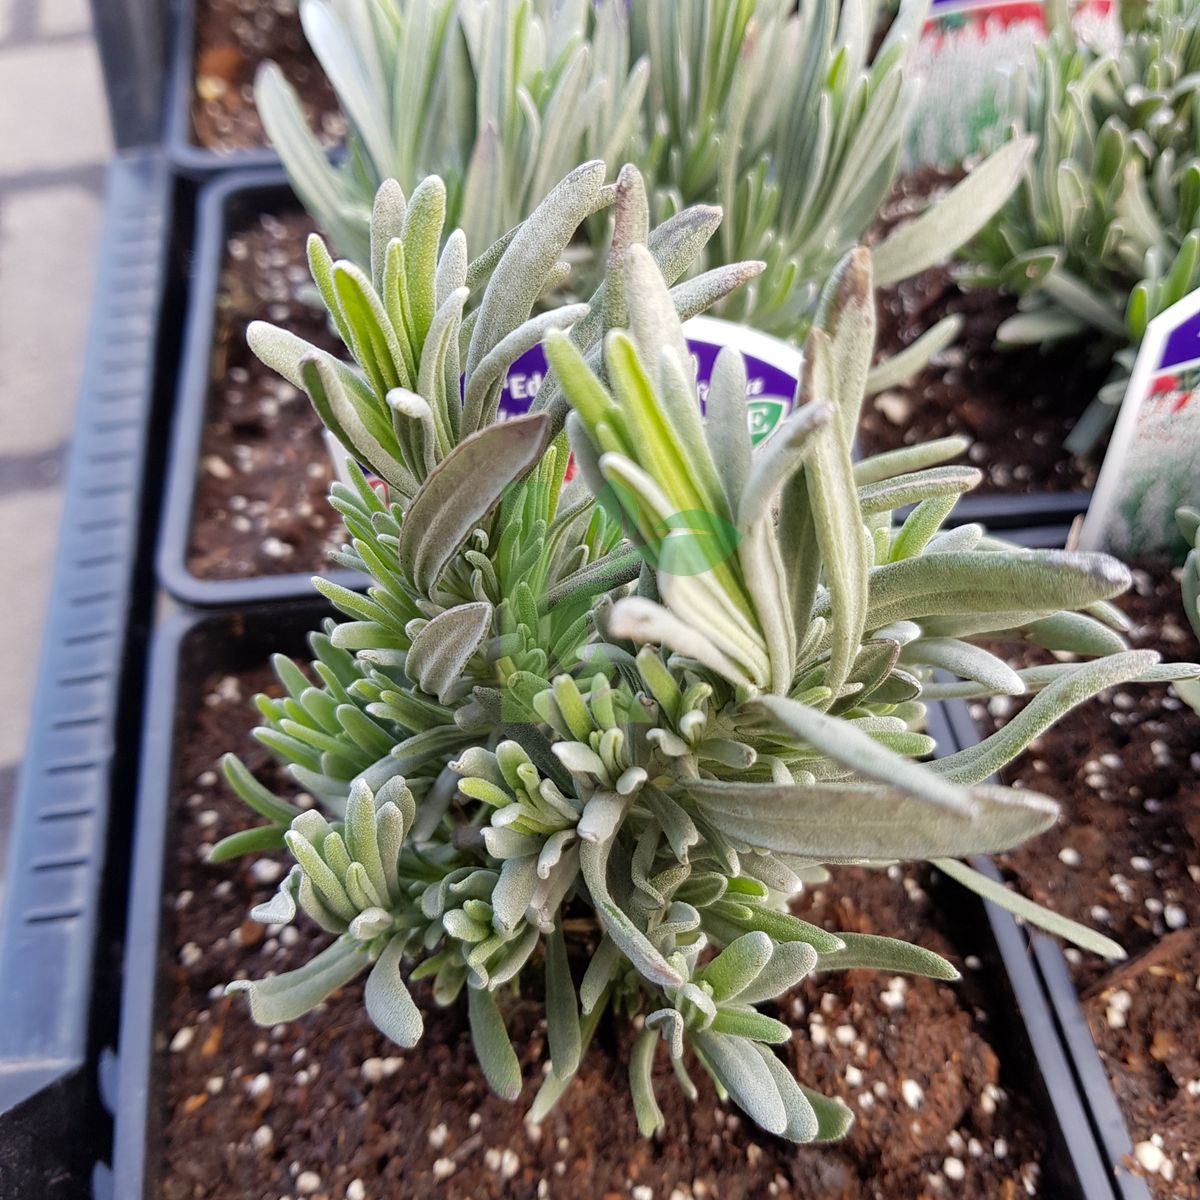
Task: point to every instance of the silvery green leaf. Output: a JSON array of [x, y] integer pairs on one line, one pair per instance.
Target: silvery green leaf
[[914, 358], [978, 762], [601, 971], [553, 1087], [487, 378], [285, 997], [751, 1025], [538, 244], [845, 743], [766, 584], [908, 459], [362, 838], [441, 651], [620, 927], [726, 429], [745, 1076], [322, 876], [562, 1010], [281, 908], [492, 1046], [779, 459], [737, 966], [653, 323], [387, 222], [990, 582], [802, 1123], [650, 1119], [515, 955], [837, 520], [847, 315], [581, 759], [700, 293], [886, 954], [388, 1002], [678, 828], [352, 422], [372, 921], [338, 55], [833, 1117], [314, 907], [902, 490], [1084, 302], [280, 350], [631, 225], [374, 340], [954, 219], [422, 235], [1076, 633], [513, 893], [253, 794], [314, 179], [1027, 910], [452, 267], [462, 489], [779, 926], [606, 574], [967, 662], [1039, 325], [645, 622], [830, 821], [789, 963]]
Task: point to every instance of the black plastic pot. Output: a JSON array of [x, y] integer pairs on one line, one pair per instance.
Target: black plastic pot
[[1002, 512], [182, 152], [185, 650], [223, 206], [64, 890], [189, 647], [1037, 537], [1048, 963]]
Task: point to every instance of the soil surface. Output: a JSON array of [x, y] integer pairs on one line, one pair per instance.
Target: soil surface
[[308, 1108], [1126, 859], [260, 506], [233, 37], [1017, 405]]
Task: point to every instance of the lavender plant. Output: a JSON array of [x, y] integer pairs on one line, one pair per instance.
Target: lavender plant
[[606, 729], [1101, 236], [502, 98]]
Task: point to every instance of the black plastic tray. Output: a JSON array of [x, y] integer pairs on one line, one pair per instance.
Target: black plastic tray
[[223, 205], [189, 646], [1104, 1113], [64, 887], [184, 155]]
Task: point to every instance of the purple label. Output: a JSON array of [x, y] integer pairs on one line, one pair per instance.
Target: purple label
[[1183, 343], [770, 388]]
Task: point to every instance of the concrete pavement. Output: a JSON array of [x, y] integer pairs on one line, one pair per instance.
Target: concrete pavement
[[54, 144]]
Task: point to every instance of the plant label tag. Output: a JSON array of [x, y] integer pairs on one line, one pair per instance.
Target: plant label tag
[[772, 377], [966, 60], [1153, 461], [772, 372]]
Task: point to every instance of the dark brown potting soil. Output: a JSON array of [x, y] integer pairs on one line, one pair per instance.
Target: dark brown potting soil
[[1016, 405], [233, 37], [308, 1108], [263, 476], [1126, 859]]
